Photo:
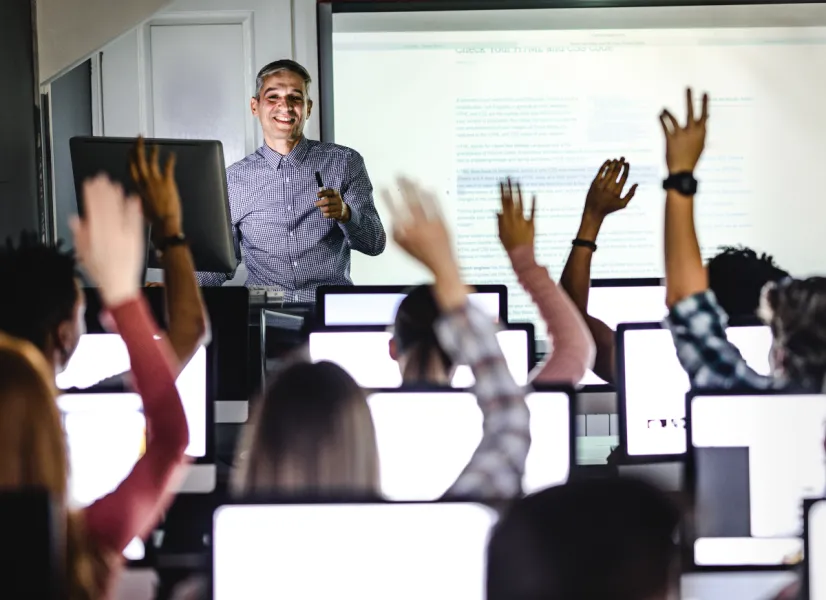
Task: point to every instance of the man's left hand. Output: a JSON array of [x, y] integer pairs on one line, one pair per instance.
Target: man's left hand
[[332, 206]]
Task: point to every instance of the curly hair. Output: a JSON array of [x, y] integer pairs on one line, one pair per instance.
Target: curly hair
[[42, 290], [737, 276]]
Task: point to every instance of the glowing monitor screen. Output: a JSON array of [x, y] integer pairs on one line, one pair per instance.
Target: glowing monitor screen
[[451, 422], [365, 551], [816, 539], [366, 356], [380, 309], [757, 458], [629, 304], [654, 384], [101, 356]]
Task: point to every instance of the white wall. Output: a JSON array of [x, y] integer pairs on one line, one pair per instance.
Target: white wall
[[69, 31]]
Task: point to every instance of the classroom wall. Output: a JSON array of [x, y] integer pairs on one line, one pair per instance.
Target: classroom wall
[[69, 31]]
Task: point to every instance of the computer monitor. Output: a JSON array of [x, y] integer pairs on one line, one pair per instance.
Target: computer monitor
[[370, 551], [739, 584], [651, 385], [815, 544], [202, 184], [364, 353], [32, 547], [754, 459], [451, 422], [377, 304], [615, 301]]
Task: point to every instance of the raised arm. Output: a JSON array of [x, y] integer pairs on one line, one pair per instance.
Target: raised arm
[[696, 320], [573, 347], [187, 320], [498, 464], [604, 197], [363, 226], [110, 245]]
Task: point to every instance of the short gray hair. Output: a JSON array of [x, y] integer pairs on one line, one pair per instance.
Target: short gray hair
[[277, 66]]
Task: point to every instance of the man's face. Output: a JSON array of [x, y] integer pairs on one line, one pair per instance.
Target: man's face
[[282, 106]]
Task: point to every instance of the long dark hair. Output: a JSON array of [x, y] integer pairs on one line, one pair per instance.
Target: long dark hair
[[415, 334]]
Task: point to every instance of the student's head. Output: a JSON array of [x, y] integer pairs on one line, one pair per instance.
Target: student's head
[[282, 100], [310, 433], [42, 301], [602, 539], [737, 276], [795, 309], [33, 453], [414, 344]]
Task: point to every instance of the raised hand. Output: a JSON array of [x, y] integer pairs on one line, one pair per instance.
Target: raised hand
[[684, 145], [605, 194], [158, 190], [109, 239], [514, 229], [419, 228]]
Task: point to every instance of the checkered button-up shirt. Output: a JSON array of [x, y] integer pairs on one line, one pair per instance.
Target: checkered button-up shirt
[[497, 466], [698, 326], [285, 239]]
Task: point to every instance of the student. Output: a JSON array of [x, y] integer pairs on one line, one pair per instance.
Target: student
[[312, 432], [593, 539], [46, 304], [794, 309], [416, 348], [736, 275], [32, 446]]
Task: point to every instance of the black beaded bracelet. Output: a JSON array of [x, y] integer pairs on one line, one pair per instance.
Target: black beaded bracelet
[[585, 244]]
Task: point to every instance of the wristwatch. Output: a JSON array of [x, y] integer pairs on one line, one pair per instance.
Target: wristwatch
[[178, 239], [682, 183]]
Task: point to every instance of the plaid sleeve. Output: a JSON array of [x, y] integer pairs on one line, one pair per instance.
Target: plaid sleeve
[[364, 230], [698, 326], [497, 466], [210, 279]]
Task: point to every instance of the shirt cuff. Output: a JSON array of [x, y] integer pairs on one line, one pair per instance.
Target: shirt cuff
[[522, 257], [688, 308], [355, 218]]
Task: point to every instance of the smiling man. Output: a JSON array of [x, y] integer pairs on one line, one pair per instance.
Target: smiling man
[[294, 234]]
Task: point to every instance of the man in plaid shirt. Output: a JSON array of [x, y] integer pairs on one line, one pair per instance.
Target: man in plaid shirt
[[295, 234]]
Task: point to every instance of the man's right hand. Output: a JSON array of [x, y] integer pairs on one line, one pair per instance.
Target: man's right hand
[[684, 145], [158, 190], [605, 194]]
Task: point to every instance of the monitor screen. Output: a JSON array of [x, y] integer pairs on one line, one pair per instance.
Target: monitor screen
[[627, 304], [653, 385], [816, 540], [101, 356], [451, 422], [380, 309], [365, 551], [366, 356], [756, 457]]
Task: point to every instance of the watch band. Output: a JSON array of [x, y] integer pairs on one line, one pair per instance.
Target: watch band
[[173, 240], [683, 183]]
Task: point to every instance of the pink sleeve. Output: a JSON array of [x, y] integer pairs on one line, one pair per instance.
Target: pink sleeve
[[133, 509], [573, 347]]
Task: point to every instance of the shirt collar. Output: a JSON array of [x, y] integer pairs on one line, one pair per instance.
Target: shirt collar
[[295, 157]]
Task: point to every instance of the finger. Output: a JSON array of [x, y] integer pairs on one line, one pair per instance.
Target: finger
[[171, 161], [520, 207], [603, 170], [704, 113], [412, 200], [154, 162], [135, 173], [431, 205], [690, 107], [327, 193], [611, 175], [629, 195], [625, 169], [503, 196], [322, 203], [669, 123], [140, 159], [533, 207], [507, 196]]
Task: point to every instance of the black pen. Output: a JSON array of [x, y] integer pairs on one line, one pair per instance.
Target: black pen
[[319, 181]]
